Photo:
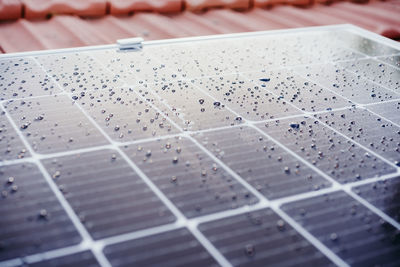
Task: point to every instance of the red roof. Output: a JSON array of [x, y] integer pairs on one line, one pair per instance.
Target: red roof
[[47, 24]]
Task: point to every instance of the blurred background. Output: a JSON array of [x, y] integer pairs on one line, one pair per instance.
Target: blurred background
[[27, 25]]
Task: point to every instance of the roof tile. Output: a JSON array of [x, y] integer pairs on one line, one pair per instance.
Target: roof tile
[[198, 5], [10, 9], [264, 3], [119, 7], [71, 31], [42, 8]]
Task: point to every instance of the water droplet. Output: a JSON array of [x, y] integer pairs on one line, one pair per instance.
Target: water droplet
[[333, 237], [148, 153], [175, 160], [24, 126], [201, 101], [39, 118], [280, 224], [43, 214], [56, 174], [287, 169], [10, 180], [249, 250], [214, 167]]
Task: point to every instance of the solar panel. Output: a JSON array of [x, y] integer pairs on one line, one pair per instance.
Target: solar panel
[[274, 148]]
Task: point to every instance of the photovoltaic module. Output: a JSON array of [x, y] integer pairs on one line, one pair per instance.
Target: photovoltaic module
[[276, 148]]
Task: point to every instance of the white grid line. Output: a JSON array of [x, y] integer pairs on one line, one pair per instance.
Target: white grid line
[[168, 203], [378, 58], [156, 138], [197, 220], [308, 236], [329, 89], [382, 102], [274, 204], [367, 78], [86, 238], [384, 118]]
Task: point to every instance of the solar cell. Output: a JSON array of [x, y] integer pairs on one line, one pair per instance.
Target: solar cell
[[389, 110], [352, 86], [267, 167], [95, 183], [258, 149], [383, 195], [188, 107], [243, 96], [392, 60], [376, 71], [174, 248], [371, 131], [32, 219], [195, 183], [348, 228], [329, 151], [125, 115], [53, 124], [11, 147], [21, 77], [85, 258], [261, 238]]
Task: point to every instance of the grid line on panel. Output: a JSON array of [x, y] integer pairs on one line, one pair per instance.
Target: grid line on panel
[[358, 144], [338, 185], [335, 183], [138, 141], [103, 261], [332, 256], [374, 82], [313, 240], [380, 116], [202, 219], [360, 106], [378, 58], [100, 147], [373, 208], [192, 223], [181, 218], [381, 102], [32, 97], [57, 253], [219, 256], [322, 86], [275, 68], [351, 140], [86, 238]]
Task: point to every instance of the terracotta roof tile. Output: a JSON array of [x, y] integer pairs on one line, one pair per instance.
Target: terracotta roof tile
[[10, 9], [119, 7], [71, 31], [197, 5], [264, 3], [42, 8]]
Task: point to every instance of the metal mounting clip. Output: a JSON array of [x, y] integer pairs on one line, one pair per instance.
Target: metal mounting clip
[[130, 43]]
